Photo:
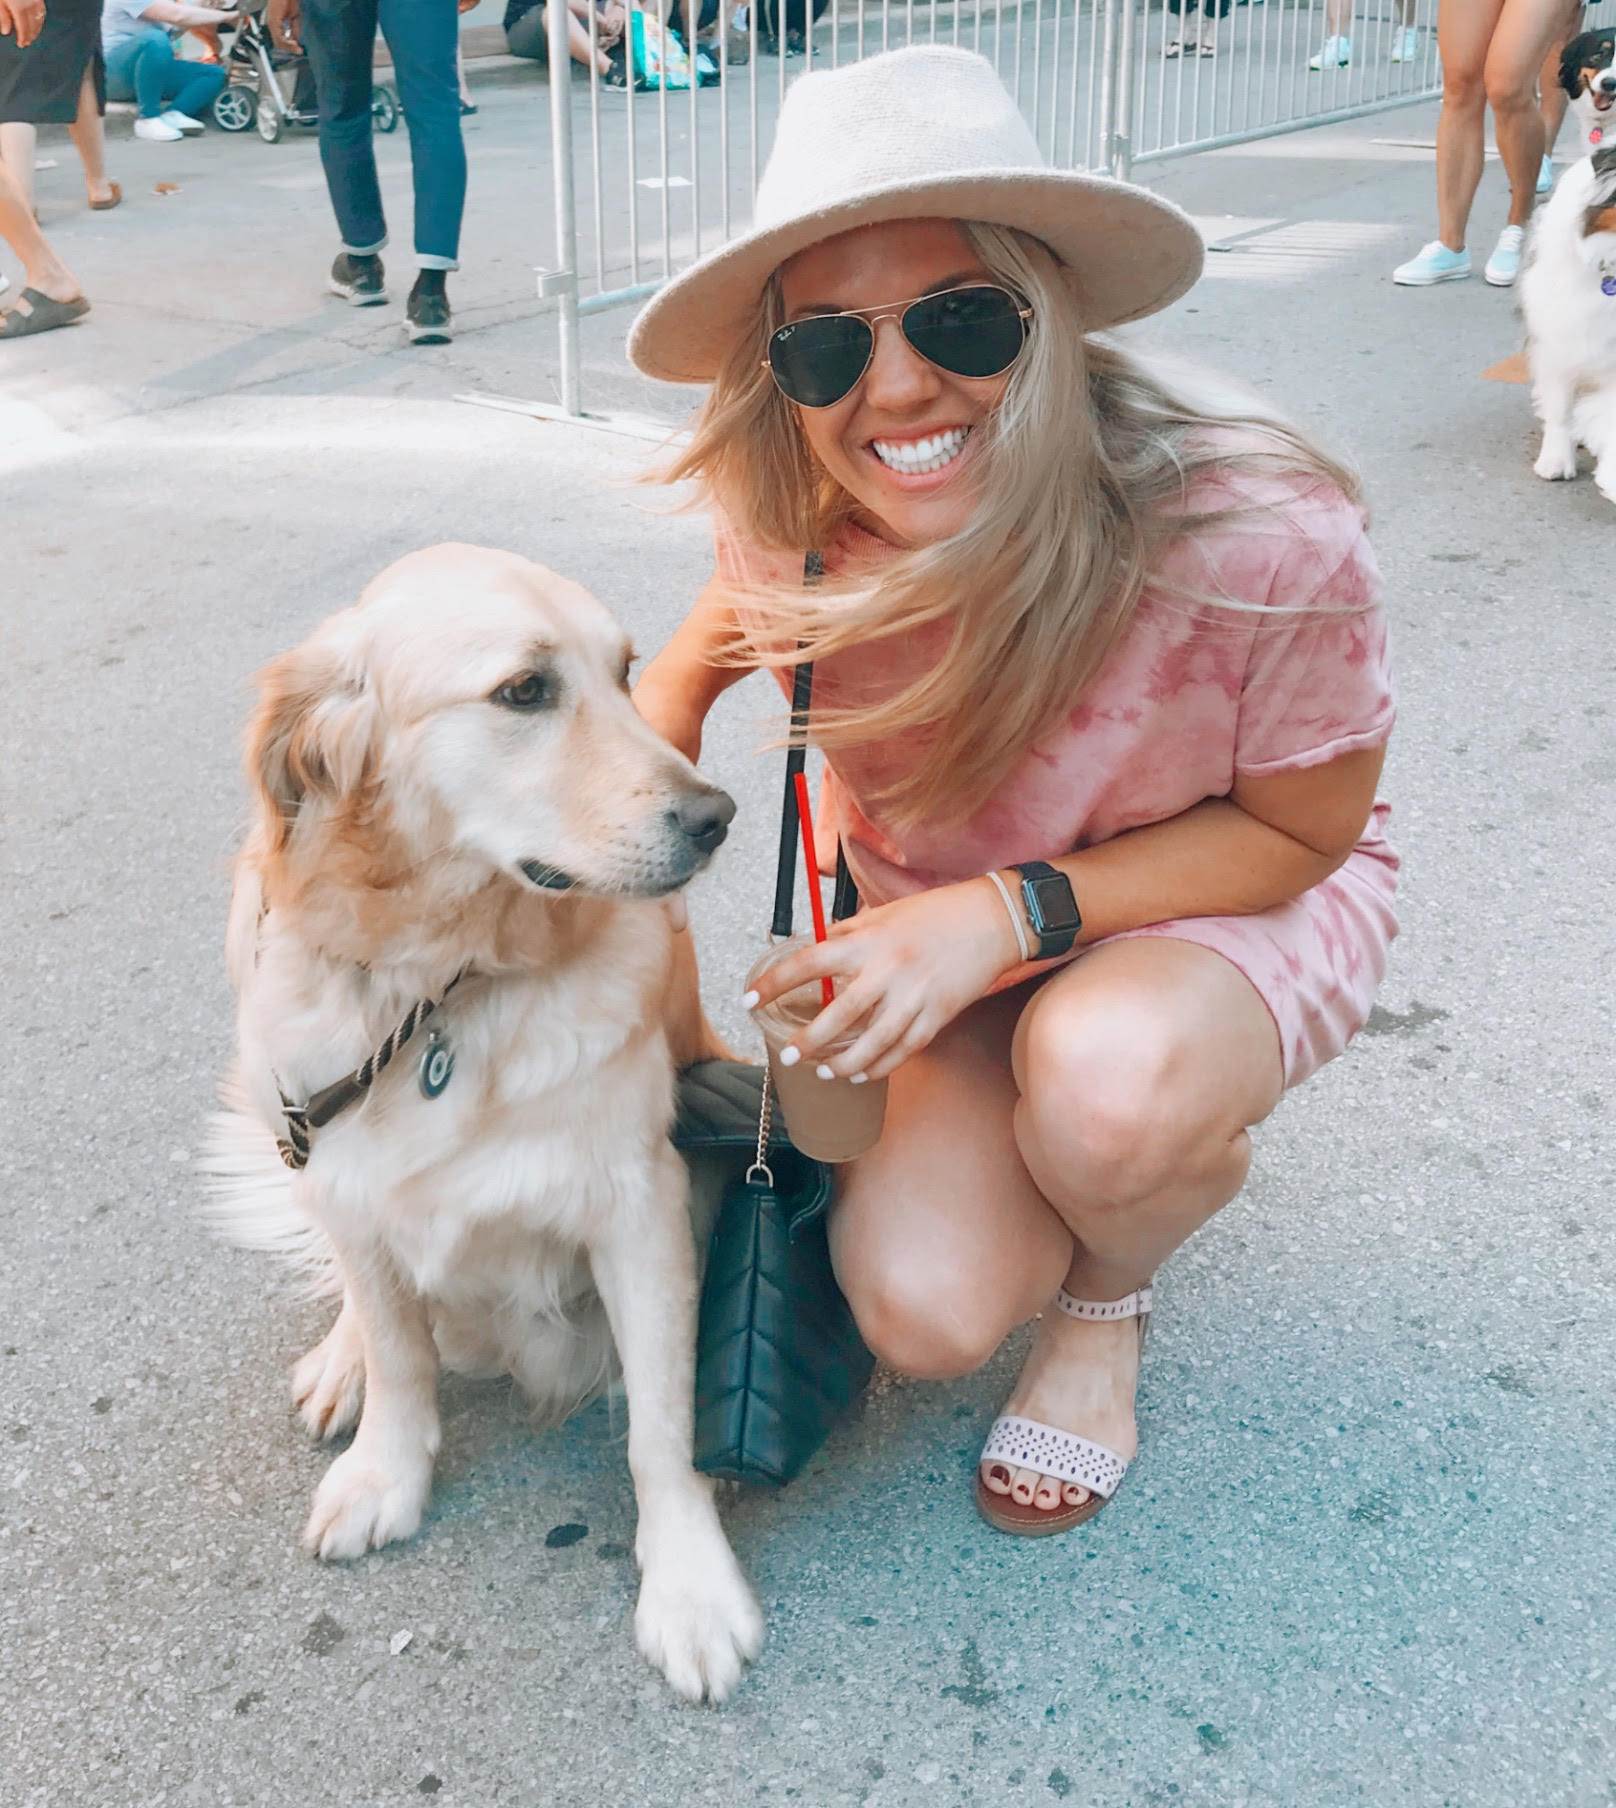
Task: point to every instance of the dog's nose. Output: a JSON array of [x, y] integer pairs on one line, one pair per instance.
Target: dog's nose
[[704, 817]]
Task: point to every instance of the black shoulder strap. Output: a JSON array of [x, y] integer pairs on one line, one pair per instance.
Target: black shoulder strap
[[785, 874]]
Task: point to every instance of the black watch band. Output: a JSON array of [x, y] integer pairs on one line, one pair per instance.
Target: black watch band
[[1052, 913]]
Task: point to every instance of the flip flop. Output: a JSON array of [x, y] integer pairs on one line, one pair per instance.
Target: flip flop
[[1209, 50], [1026, 1444], [112, 200], [1174, 49], [40, 315]]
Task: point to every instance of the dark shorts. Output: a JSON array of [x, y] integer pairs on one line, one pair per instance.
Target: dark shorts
[[39, 86]]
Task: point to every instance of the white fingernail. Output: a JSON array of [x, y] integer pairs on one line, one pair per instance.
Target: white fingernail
[[858, 1079], [824, 1072], [789, 1057], [749, 1002]]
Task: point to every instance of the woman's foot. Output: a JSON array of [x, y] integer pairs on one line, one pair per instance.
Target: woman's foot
[[104, 195], [1080, 1377]]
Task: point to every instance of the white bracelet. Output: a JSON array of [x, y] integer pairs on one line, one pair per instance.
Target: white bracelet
[[1015, 917]]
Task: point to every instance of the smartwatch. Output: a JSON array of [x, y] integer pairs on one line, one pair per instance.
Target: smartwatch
[[1052, 912]]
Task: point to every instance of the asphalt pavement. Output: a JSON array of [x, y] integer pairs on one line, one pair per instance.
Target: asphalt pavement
[[1365, 1554]]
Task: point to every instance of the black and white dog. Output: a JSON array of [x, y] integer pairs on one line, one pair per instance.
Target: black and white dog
[[1568, 290]]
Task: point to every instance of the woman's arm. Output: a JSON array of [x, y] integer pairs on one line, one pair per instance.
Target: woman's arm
[[1269, 841], [908, 968], [688, 676]]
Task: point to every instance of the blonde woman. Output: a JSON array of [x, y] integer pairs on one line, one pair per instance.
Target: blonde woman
[[1101, 685]]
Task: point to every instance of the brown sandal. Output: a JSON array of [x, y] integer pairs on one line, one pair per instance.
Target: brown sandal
[[111, 201], [1063, 1455]]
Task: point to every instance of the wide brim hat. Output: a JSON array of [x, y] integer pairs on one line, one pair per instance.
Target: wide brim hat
[[929, 132]]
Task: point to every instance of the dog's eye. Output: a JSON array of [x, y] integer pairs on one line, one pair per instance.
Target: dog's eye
[[534, 690]]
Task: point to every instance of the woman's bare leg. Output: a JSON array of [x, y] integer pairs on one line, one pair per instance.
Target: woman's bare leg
[[17, 153], [1464, 29], [1072, 1133], [1524, 33], [90, 140], [42, 268], [1140, 1070], [941, 1241]]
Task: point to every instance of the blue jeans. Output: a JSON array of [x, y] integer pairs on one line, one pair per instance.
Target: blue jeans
[[423, 35], [144, 69]]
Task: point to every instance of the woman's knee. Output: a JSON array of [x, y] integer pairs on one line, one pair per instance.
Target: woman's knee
[[1464, 91], [923, 1325], [1107, 1113]]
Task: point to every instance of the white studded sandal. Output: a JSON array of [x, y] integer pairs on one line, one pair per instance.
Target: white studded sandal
[[1026, 1444]]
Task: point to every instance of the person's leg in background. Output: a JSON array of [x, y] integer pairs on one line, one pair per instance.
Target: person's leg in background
[[1519, 44], [422, 35], [18, 146], [189, 89], [338, 39], [1464, 28], [1553, 98], [1337, 51], [44, 273]]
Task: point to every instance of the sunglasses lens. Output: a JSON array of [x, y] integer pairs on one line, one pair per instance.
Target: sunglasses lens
[[818, 360], [974, 332]]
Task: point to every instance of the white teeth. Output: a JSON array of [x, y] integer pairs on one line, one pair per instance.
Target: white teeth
[[918, 458]]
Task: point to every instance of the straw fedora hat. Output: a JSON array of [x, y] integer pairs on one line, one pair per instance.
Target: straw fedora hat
[[928, 132]]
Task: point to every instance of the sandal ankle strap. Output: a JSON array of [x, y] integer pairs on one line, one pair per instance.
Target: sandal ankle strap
[[1132, 1305]]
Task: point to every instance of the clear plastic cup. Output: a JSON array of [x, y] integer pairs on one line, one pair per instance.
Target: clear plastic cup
[[831, 1120]]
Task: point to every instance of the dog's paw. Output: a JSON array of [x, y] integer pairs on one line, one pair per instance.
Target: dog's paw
[[1605, 483], [365, 1502], [1555, 463], [329, 1383], [698, 1622]]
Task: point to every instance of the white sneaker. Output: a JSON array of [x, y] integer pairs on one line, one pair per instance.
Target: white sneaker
[[181, 122], [1435, 263], [1505, 263], [1545, 176], [157, 131], [1406, 45], [1336, 54]]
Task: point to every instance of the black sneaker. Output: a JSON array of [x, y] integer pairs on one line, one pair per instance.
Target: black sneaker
[[360, 280], [427, 317]]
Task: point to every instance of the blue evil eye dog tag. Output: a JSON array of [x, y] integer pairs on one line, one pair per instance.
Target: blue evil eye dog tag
[[1608, 286], [437, 1064]]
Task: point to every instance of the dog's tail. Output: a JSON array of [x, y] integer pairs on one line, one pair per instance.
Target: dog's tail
[[250, 1200]]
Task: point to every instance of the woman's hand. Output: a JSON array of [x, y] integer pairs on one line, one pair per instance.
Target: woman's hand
[[903, 970]]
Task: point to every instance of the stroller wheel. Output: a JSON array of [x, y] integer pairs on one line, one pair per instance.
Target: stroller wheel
[[384, 108], [234, 109], [269, 123]]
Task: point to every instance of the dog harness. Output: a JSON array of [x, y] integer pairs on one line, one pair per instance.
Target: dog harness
[[436, 1066]]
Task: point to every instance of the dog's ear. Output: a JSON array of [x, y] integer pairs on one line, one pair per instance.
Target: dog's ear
[[1571, 63], [312, 736]]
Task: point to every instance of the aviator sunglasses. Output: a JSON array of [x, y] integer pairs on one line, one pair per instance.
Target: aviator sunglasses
[[975, 331]]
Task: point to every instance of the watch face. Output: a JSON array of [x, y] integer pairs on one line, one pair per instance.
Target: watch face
[[1052, 906]]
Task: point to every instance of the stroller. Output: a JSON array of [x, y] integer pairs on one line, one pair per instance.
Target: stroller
[[275, 88]]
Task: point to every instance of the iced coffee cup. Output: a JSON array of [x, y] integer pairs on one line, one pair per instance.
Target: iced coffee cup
[[831, 1120]]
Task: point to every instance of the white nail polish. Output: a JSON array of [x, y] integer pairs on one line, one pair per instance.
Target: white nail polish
[[790, 1056], [749, 1002], [857, 1079], [824, 1072]]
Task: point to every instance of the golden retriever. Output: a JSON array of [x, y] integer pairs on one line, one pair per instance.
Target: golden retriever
[[451, 781]]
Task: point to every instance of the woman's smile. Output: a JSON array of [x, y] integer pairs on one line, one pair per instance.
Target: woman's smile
[[919, 460]]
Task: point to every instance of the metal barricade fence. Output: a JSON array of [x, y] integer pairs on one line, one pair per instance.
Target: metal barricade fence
[[644, 183]]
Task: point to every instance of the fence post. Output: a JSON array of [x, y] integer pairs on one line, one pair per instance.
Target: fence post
[[1120, 160], [561, 284]]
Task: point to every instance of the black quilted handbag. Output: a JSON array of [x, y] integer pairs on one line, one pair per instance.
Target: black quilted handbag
[[778, 1355]]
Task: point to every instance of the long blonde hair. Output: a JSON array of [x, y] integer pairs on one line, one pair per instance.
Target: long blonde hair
[[1083, 477]]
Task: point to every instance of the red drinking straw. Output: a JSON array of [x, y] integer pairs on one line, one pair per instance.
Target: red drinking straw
[[805, 821]]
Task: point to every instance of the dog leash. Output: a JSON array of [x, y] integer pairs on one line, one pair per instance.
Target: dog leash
[[330, 1101]]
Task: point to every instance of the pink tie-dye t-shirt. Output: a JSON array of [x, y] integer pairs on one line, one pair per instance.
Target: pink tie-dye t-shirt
[[1192, 695]]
